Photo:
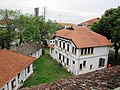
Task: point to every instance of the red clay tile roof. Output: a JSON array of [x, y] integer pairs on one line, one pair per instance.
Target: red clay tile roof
[[90, 22], [83, 37], [52, 46], [66, 24], [12, 63]]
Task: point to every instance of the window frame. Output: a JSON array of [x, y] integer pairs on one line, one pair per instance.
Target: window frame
[[63, 45], [68, 47], [67, 62], [101, 62], [91, 67], [13, 83], [84, 63], [63, 58], [81, 67], [60, 42], [73, 62], [87, 51], [59, 56]]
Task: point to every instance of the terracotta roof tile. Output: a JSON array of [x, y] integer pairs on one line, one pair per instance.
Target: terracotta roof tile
[[90, 22], [83, 37], [12, 63]]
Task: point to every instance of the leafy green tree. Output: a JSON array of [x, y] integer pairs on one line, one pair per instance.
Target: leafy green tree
[[8, 18], [109, 26], [24, 27]]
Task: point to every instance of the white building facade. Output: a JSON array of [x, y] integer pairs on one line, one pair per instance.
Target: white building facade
[[79, 60], [36, 54], [19, 79]]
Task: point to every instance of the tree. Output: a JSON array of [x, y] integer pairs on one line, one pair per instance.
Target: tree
[[109, 26], [23, 27], [29, 28], [8, 18]]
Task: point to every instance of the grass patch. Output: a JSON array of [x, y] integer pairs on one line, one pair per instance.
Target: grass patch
[[46, 70]]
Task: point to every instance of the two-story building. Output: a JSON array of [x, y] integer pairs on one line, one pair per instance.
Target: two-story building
[[80, 50]]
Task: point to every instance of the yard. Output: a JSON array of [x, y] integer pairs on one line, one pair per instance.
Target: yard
[[46, 70]]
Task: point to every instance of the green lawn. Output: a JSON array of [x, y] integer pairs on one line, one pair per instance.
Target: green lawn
[[46, 70]]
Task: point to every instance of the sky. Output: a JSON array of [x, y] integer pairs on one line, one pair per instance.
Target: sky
[[72, 11]]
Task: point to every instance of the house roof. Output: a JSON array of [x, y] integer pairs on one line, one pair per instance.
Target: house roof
[[12, 63], [103, 79], [83, 37], [66, 24], [28, 48], [90, 22]]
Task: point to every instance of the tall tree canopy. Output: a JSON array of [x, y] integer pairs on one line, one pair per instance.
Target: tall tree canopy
[[109, 26], [7, 21], [18, 27]]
